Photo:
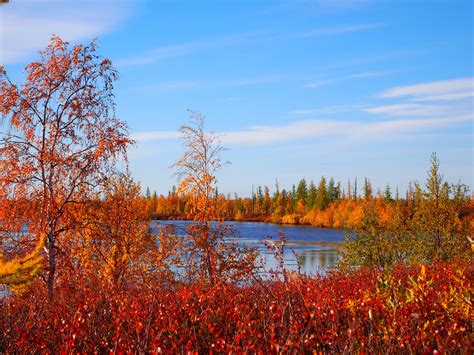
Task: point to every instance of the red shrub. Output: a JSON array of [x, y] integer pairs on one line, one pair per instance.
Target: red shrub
[[410, 309]]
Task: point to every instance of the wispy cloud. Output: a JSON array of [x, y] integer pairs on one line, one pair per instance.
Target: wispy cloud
[[318, 32], [407, 109], [448, 98], [205, 84], [359, 75], [371, 74], [27, 26], [263, 135], [350, 131], [406, 118], [434, 91], [322, 110], [191, 47], [182, 49], [318, 83]]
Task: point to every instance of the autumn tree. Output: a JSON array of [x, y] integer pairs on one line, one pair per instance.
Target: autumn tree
[[60, 140], [431, 230], [208, 255], [441, 233], [116, 241]]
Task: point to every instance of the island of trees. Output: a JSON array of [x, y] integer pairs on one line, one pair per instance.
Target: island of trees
[[85, 272]]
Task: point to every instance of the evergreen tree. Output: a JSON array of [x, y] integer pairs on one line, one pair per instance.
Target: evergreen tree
[[311, 198], [267, 201], [388, 194], [293, 198], [276, 195], [331, 191], [338, 191], [154, 202], [355, 189], [460, 194], [284, 199], [367, 189], [321, 194], [259, 199], [445, 190], [302, 191]]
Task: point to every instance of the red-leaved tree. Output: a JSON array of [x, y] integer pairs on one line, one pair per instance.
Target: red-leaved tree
[[59, 140]]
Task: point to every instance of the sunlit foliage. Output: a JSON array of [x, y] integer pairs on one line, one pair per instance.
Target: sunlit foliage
[[419, 309], [60, 139], [431, 230], [207, 255]]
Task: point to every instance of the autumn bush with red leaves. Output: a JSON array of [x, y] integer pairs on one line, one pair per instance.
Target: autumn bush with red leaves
[[412, 309]]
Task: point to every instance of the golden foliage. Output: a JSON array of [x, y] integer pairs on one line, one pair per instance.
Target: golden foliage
[[20, 272]]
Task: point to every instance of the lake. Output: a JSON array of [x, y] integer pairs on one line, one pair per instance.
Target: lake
[[308, 243]]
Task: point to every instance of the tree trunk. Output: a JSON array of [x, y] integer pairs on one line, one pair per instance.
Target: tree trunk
[[51, 263]]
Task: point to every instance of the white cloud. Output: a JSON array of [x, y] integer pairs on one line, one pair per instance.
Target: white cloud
[[350, 131], [439, 99], [434, 91], [447, 97], [262, 135], [27, 26], [390, 128]]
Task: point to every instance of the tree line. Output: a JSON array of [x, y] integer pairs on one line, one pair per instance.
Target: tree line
[[326, 204]]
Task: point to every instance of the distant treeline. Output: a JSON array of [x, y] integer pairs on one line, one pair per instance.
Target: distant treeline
[[326, 204]]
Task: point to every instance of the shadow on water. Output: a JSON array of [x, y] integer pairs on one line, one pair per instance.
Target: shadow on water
[[316, 249]]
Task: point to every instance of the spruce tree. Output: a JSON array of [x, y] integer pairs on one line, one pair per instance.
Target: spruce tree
[[302, 190], [321, 194]]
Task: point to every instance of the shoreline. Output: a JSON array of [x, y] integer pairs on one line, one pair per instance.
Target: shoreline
[[265, 219]]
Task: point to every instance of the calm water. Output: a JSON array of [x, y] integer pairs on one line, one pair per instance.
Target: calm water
[[312, 258]]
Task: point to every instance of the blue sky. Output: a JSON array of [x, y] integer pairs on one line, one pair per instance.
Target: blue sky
[[296, 88]]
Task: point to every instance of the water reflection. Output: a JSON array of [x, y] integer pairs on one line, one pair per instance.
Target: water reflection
[[308, 259], [311, 260], [300, 248]]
